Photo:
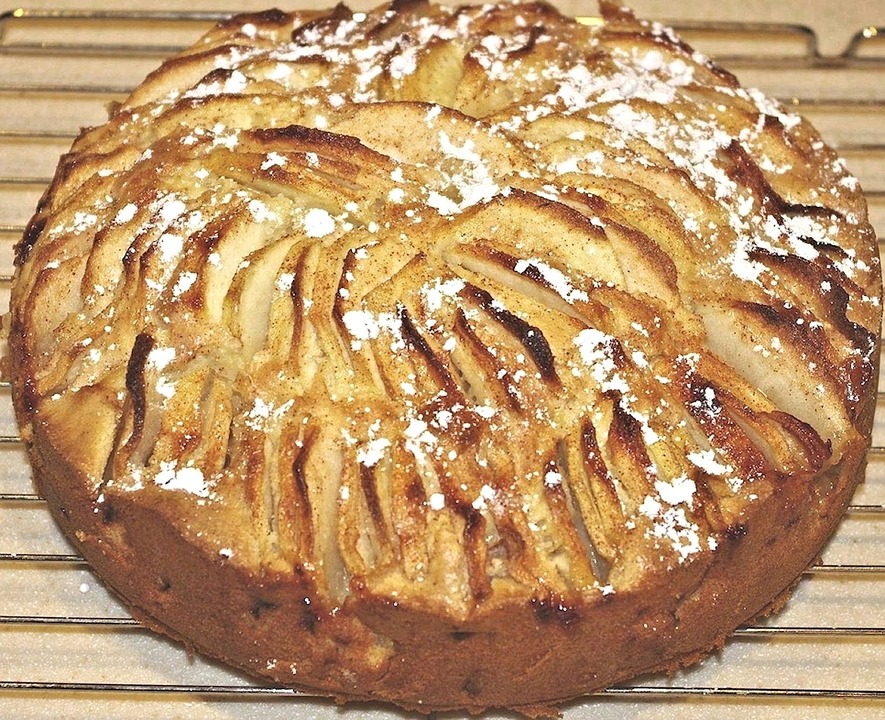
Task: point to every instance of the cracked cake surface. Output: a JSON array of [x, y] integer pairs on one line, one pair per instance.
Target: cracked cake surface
[[450, 357]]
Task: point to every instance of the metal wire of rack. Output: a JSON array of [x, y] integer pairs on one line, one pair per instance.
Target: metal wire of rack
[[69, 64]]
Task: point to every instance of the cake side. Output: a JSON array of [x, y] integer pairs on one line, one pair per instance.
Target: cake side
[[372, 649]]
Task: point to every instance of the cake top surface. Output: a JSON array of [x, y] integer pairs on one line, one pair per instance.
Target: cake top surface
[[450, 304]]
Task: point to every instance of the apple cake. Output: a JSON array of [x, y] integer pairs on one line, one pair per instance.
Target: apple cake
[[448, 357]]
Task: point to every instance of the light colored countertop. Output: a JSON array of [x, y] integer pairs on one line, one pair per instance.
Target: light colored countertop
[[845, 98]]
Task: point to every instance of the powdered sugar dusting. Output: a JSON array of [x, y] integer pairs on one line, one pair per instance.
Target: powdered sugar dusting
[[318, 223], [380, 265], [185, 479]]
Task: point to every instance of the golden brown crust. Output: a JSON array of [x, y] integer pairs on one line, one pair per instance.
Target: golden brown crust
[[455, 358]]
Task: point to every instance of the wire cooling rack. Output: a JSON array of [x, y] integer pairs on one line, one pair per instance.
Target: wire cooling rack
[[69, 649]]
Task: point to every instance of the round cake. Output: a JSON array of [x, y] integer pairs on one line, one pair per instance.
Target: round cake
[[448, 357]]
